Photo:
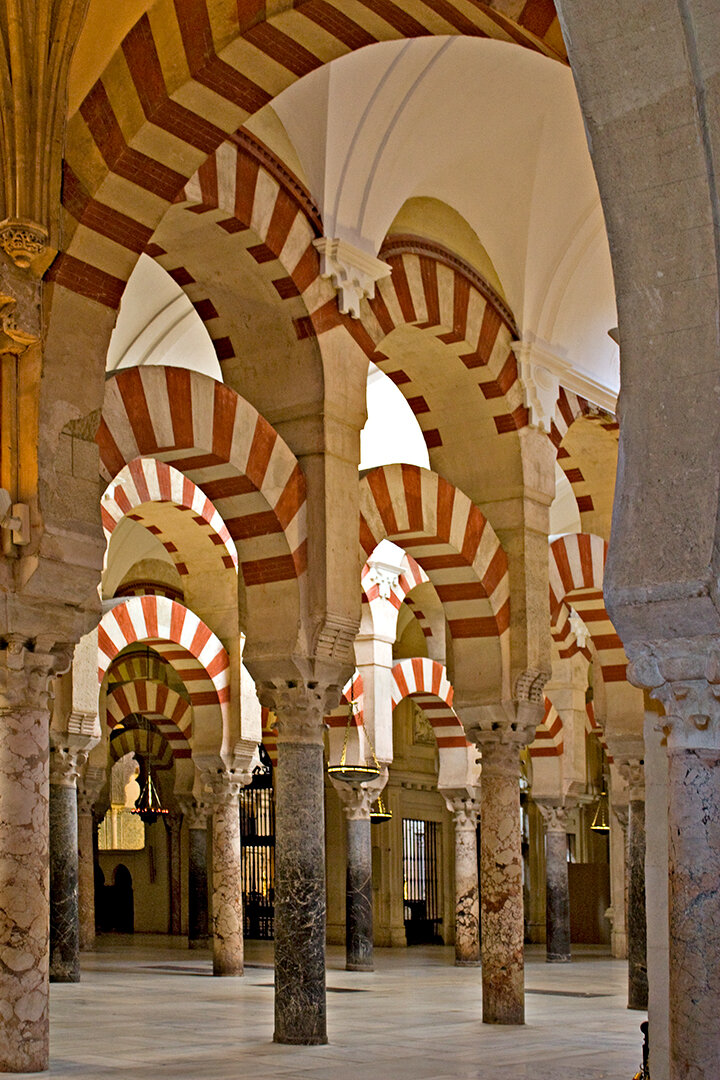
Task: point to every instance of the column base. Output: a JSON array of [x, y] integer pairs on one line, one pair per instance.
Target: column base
[[359, 967], [199, 943], [557, 959], [312, 1040], [67, 975], [467, 963]]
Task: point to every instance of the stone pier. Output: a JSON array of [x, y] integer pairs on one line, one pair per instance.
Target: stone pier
[[467, 903], [557, 919], [227, 909]]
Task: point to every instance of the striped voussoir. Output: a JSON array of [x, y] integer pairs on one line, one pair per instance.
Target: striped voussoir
[[187, 75], [548, 740], [434, 290], [148, 745], [352, 691], [170, 713], [592, 728], [576, 571], [148, 480], [427, 683], [184, 641], [226, 448], [420, 616], [570, 407], [448, 536]]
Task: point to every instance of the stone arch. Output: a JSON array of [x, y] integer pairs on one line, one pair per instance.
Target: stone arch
[[185, 642], [170, 712], [137, 740], [548, 741], [225, 447], [455, 545]]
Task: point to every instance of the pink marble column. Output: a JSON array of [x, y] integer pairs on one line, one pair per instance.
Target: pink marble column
[[467, 905], [685, 676], [227, 905], [24, 883], [501, 892]]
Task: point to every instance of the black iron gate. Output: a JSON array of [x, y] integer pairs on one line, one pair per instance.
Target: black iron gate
[[257, 827], [420, 882]]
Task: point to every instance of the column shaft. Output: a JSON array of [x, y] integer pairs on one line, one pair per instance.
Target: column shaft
[[557, 917], [86, 878], [501, 885], [300, 1011], [174, 825], [358, 896], [64, 915], [25, 915], [467, 902], [198, 889], [227, 909], [694, 865], [636, 909]]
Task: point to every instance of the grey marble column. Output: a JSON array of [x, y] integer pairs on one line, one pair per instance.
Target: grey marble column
[[501, 894], [557, 911], [300, 908], [467, 903], [357, 800], [64, 916], [24, 832], [227, 905], [89, 785], [173, 825], [196, 816], [634, 773]]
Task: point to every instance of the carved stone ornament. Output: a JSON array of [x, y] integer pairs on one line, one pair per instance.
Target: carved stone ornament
[[385, 577], [222, 786], [465, 811], [195, 812], [684, 675], [353, 272], [555, 817], [300, 708], [633, 773], [23, 241], [357, 799], [25, 674], [541, 387], [12, 338]]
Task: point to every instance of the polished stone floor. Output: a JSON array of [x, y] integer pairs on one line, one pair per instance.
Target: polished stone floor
[[147, 1007]]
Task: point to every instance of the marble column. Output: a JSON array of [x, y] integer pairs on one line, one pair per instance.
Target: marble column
[[64, 915], [173, 825], [501, 893], [196, 815], [557, 911], [89, 786], [300, 907], [467, 902], [227, 905], [685, 676], [634, 773], [24, 832], [357, 800]]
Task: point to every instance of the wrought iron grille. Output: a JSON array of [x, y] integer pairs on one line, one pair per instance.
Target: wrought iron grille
[[420, 882], [257, 827]]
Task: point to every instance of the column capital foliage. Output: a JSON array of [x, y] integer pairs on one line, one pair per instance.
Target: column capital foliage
[[514, 722], [464, 809], [357, 799], [300, 707], [222, 786], [37, 44], [684, 675], [632, 771], [194, 811], [68, 755], [555, 817], [26, 668]]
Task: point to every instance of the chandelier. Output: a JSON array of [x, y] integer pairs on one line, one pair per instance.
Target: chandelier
[[148, 805]]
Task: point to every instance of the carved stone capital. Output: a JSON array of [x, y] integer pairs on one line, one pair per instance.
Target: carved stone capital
[[23, 241], [385, 577], [90, 784], [195, 813], [513, 722], [555, 817], [465, 810], [26, 669], [221, 787], [632, 771], [684, 675], [300, 708], [541, 386], [353, 272], [357, 799], [68, 754]]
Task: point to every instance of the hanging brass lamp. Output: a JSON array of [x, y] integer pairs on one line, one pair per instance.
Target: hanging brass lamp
[[379, 812], [148, 804], [353, 774], [601, 821]]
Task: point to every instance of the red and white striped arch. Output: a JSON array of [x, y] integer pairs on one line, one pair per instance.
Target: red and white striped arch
[[146, 743], [171, 713], [548, 741], [352, 691], [570, 407], [427, 682], [182, 639], [149, 480], [593, 728], [186, 76], [457, 548], [576, 572], [222, 444]]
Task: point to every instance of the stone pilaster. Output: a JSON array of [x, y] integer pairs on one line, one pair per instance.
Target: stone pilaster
[[300, 905], [500, 731], [221, 790], [173, 824], [196, 815], [24, 830], [357, 800], [685, 676], [465, 810], [633, 771], [557, 916]]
